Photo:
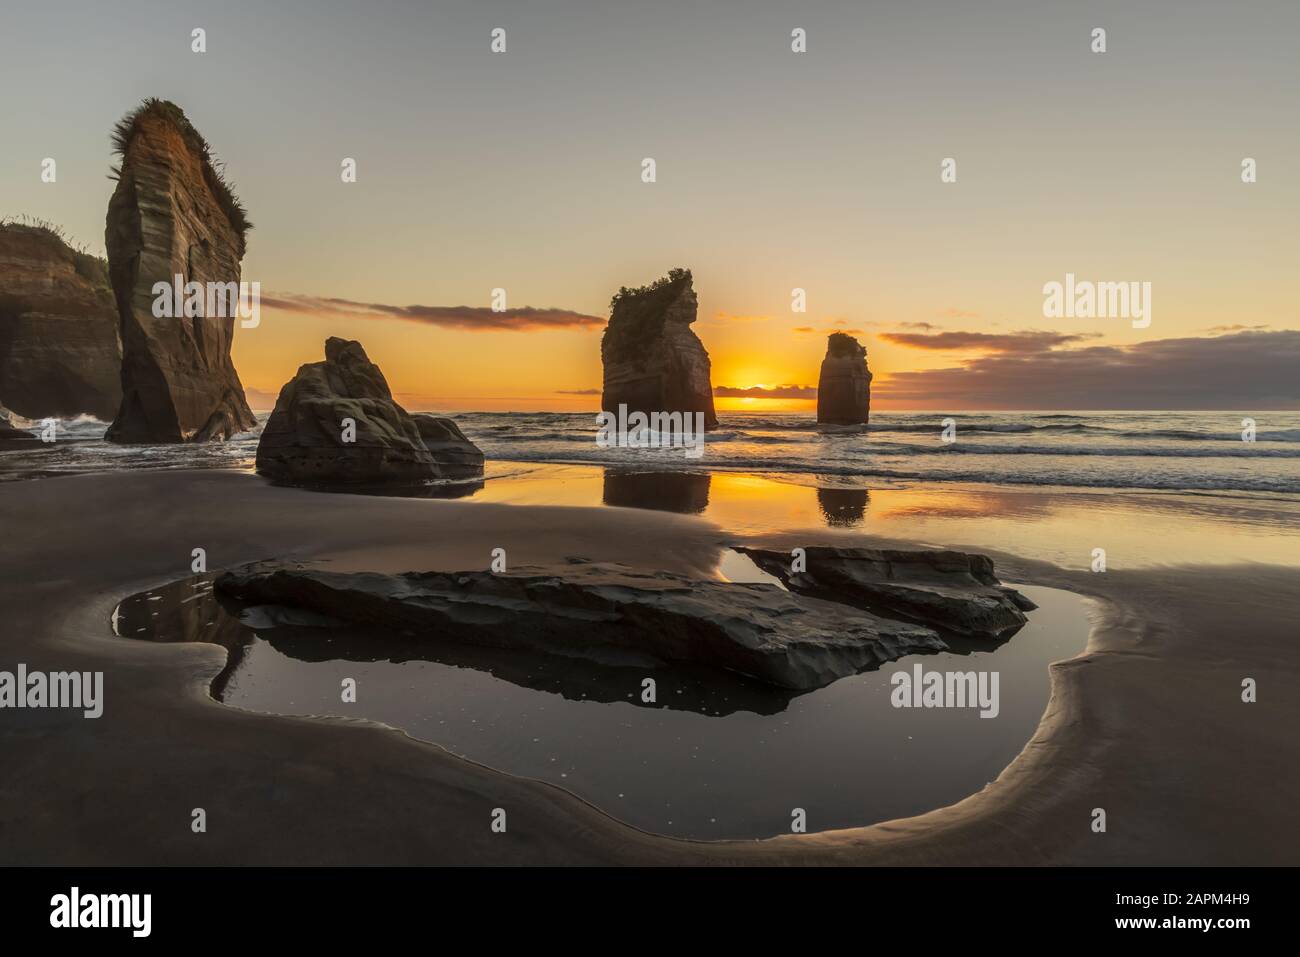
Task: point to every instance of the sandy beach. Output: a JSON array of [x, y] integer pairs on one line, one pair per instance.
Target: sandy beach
[[1195, 777]]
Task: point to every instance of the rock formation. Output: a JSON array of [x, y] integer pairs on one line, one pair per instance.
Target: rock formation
[[59, 349], [653, 361], [603, 610], [455, 455], [172, 214], [12, 437], [308, 442], [954, 591], [844, 388], [189, 610]]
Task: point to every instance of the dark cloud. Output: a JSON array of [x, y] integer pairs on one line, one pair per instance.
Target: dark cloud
[[471, 318], [1249, 371], [577, 392], [829, 329], [1028, 341], [1235, 327], [759, 392]]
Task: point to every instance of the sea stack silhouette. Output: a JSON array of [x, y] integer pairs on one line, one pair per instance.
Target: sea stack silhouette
[[653, 361], [844, 388], [336, 424], [172, 214], [59, 349]]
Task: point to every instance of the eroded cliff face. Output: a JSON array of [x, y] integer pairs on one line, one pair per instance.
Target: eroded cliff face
[[653, 361], [170, 215], [59, 349], [844, 387]]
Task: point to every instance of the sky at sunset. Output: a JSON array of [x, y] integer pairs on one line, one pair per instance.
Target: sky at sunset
[[775, 170]]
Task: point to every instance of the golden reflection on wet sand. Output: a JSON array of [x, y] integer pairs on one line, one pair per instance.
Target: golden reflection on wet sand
[[1063, 526]]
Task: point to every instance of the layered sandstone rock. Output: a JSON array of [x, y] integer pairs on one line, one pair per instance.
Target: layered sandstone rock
[[599, 610], [653, 361], [59, 349], [172, 215], [844, 388], [336, 423]]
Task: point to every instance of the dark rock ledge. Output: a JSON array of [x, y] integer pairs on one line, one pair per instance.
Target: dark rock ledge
[[599, 610], [955, 591]]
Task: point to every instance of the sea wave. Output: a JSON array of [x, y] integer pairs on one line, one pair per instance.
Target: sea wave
[[1072, 478], [1248, 450], [1201, 452]]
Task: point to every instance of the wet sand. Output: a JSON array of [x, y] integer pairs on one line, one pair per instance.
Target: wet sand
[[1148, 724]]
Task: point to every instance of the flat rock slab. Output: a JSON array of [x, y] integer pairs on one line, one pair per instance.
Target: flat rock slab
[[956, 591], [595, 610]]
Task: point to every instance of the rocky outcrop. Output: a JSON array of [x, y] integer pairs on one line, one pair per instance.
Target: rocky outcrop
[[603, 610], [844, 387], [455, 455], [336, 423], [59, 349], [954, 591], [189, 610], [12, 437], [653, 361], [172, 215]]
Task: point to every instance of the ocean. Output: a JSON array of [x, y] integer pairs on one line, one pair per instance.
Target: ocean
[[1168, 451]]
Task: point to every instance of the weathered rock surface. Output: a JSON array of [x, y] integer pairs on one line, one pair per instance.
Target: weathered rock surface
[[653, 361], [59, 349], [599, 610], [455, 455], [956, 591], [189, 610], [844, 387], [12, 437], [172, 214], [304, 439]]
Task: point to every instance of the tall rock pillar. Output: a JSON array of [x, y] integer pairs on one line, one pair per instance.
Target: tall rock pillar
[[172, 215], [844, 388], [653, 361]]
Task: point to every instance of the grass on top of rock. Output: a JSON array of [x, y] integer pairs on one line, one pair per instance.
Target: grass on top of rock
[[842, 345], [636, 316], [92, 268], [213, 170]]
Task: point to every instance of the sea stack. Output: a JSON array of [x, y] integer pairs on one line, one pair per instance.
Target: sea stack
[[653, 361], [171, 215], [844, 389], [59, 349], [336, 424]]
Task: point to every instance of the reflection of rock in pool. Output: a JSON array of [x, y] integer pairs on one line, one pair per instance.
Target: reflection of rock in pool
[[189, 610], [712, 756], [603, 611], [843, 507], [186, 610], [663, 491]]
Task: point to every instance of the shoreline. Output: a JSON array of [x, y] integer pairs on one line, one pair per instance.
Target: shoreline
[[861, 481], [165, 746]]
